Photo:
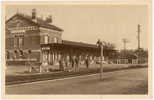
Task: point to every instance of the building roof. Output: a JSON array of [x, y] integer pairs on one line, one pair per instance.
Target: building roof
[[40, 22], [81, 44]]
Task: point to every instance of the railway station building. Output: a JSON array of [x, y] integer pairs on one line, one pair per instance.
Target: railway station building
[[31, 33]]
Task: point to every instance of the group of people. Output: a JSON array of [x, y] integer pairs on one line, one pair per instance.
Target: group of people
[[65, 64], [73, 63]]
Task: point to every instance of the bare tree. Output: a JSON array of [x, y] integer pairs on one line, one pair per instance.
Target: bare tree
[[125, 41]]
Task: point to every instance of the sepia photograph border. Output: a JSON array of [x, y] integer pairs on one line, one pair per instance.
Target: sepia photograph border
[[137, 2]]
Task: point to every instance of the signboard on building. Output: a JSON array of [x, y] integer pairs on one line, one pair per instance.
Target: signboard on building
[[45, 48], [22, 29], [18, 31]]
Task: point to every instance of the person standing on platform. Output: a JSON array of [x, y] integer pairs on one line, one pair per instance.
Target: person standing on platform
[[29, 61], [87, 62], [67, 62], [73, 62], [76, 64], [61, 65], [44, 66]]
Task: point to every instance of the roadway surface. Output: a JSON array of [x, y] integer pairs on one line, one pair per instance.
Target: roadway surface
[[131, 81]]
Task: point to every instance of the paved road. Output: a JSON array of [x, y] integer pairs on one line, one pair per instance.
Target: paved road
[[132, 81]]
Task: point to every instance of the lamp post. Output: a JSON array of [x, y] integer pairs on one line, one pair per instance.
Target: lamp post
[[100, 45], [29, 60]]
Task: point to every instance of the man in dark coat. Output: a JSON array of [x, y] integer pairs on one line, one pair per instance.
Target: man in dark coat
[[87, 62], [76, 63]]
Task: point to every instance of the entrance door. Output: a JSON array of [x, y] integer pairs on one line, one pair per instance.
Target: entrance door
[[45, 56]]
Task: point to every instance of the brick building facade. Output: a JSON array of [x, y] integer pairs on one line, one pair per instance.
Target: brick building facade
[[24, 33]]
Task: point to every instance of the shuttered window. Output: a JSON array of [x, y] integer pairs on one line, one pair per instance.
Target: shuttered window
[[42, 39], [15, 42], [50, 40], [18, 41], [46, 39], [21, 41], [55, 40]]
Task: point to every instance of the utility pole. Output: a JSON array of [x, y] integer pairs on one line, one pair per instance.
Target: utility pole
[[100, 45], [125, 41], [138, 37], [101, 63]]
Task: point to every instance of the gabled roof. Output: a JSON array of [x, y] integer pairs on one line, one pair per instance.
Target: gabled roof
[[40, 22]]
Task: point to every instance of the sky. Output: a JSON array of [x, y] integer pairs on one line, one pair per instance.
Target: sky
[[88, 23]]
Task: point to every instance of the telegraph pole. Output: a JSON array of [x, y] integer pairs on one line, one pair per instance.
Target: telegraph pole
[[125, 41], [101, 63], [138, 37], [100, 45]]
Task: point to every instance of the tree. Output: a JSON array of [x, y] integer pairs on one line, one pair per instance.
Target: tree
[[125, 41], [109, 49]]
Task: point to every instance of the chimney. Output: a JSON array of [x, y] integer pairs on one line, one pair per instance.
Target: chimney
[[49, 19], [33, 14]]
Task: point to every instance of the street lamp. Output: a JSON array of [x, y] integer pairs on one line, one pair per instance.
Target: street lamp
[[29, 60], [100, 45]]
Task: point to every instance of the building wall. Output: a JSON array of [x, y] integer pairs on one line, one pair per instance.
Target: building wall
[[18, 26], [30, 41], [51, 35], [32, 34]]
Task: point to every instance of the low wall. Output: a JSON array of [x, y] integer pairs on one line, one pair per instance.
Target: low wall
[[19, 61]]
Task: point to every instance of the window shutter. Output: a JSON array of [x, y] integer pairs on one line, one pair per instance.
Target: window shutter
[[41, 39], [46, 39], [18, 42], [15, 42], [12, 42]]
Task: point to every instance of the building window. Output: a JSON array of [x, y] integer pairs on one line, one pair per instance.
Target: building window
[[55, 40], [15, 42], [45, 56], [21, 42], [18, 41], [46, 39]]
